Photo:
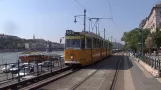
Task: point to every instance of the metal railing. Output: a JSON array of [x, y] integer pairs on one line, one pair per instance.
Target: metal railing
[[153, 62], [28, 69]]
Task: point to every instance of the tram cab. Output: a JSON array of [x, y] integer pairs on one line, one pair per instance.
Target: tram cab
[[84, 48]]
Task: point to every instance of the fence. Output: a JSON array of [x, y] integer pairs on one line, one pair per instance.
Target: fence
[[20, 70], [153, 62]]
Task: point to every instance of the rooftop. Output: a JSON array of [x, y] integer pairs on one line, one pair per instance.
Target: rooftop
[[158, 4]]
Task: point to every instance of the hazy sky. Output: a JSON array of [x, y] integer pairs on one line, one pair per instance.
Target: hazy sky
[[48, 19]]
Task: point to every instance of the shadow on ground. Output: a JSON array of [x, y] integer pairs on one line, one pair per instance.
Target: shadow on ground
[[111, 63]]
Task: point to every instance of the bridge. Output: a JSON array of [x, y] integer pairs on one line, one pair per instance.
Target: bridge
[[121, 71]]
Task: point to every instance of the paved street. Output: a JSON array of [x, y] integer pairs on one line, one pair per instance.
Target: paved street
[[101, 80], [132, 76], [99, 76]]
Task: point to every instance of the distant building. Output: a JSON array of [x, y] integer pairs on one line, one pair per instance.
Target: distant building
[[34, 37], [27, 46], [20, 45], [153, 21]]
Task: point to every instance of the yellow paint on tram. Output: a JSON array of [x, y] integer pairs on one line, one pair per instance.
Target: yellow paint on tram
[[92, 48]]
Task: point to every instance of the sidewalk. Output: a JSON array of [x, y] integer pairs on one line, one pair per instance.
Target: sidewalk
[[132, 76]]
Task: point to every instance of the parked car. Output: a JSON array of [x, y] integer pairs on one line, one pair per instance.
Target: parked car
[[16, 69], [25, 71], [7, 68], [46, 64]]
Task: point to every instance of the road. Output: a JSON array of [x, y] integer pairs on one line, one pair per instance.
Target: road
[[102, 78]]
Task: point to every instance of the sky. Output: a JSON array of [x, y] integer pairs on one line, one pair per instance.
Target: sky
[[49, 19]]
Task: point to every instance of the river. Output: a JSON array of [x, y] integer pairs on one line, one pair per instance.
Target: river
[[12, 57]]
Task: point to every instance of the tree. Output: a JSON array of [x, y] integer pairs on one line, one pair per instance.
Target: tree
[[134, 37], [156, 37], [149, 43]]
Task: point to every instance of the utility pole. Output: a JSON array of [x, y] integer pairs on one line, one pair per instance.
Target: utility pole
[[97, 23], [96, 30], [142, 42], [111, 39], [84, 20], [104, 34], [115, 44]]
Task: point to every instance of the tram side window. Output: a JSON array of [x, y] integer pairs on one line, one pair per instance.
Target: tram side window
[[89, 43], [94, 43], [102, 42], [99, 43], [82, 43]]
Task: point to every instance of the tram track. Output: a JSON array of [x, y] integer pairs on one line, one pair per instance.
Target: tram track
[[78, 84], [49, 80], [69, 72], [113, 82], [116, 74]]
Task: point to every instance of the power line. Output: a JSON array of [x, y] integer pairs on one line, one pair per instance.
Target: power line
[[86, 11], [110, 8], [113, 20], [80, 4]]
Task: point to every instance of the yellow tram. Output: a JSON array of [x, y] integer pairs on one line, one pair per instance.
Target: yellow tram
[[84, 48]]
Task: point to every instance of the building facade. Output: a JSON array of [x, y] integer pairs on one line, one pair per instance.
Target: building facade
[[153, 21]]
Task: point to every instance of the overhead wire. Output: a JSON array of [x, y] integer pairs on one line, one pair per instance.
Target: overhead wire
[[113, 20], [80, 4], [86, 11], [110, 8]]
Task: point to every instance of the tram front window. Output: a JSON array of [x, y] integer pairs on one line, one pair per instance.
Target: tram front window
[[73, 43]]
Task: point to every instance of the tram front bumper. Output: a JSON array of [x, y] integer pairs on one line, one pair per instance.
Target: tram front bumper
[[72, 62]]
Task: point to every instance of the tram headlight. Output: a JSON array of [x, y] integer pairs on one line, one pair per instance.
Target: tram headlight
[[71, 57]]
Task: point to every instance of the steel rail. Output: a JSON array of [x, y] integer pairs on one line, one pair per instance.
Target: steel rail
[[116, 74]]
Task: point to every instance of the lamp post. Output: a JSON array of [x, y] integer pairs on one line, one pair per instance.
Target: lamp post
[[141, 41], [84, 19]]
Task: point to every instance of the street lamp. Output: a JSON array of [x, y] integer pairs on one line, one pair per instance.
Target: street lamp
[[61, 39], [84, 19], [141, 40]]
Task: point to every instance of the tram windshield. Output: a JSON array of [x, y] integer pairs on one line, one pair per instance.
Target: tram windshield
[[73, 43]]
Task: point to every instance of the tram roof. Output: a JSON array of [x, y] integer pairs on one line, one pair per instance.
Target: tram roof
[[86, 33], [91, 34]]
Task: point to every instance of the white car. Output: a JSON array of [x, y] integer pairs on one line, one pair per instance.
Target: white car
[[25, 71], [7, 68]]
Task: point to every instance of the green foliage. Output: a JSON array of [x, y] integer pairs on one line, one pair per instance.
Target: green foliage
[[133, 38], [156, 37]]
